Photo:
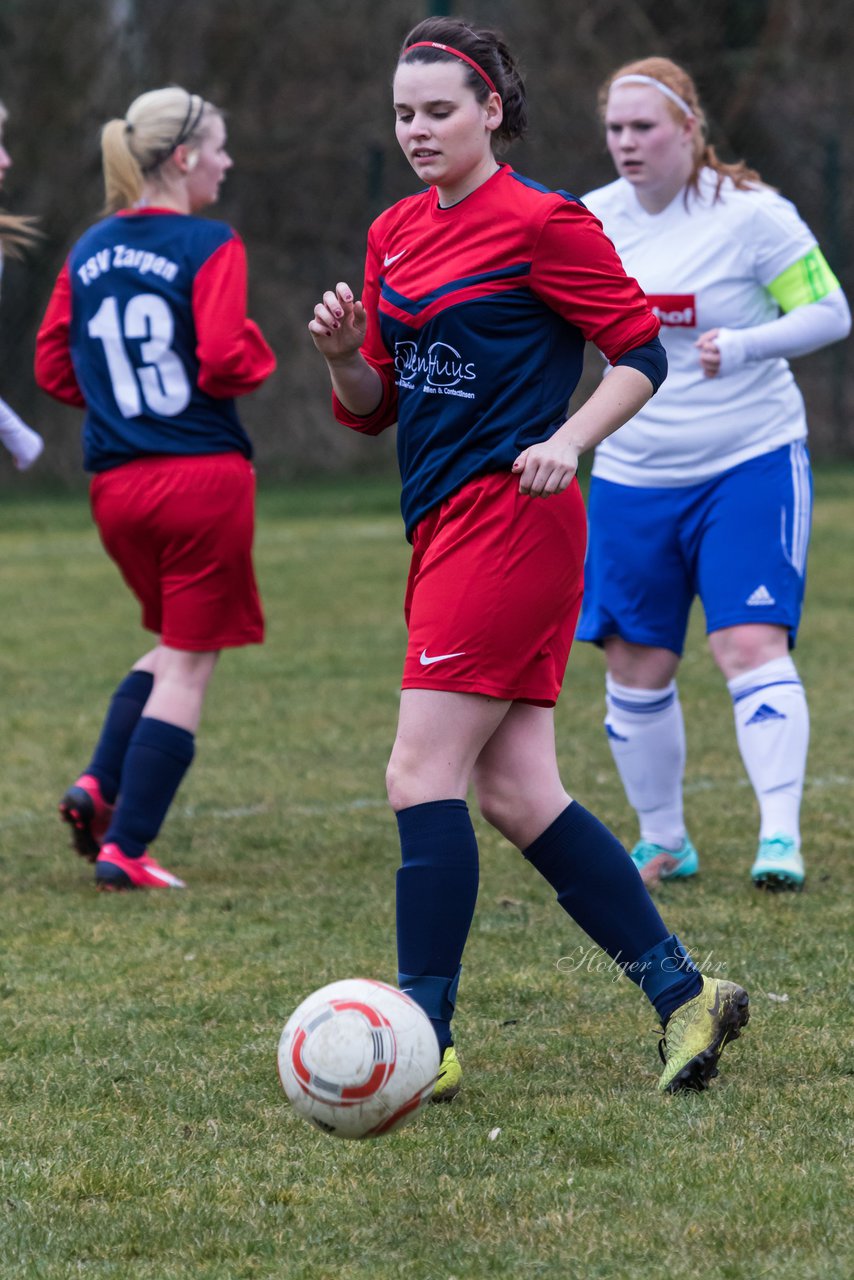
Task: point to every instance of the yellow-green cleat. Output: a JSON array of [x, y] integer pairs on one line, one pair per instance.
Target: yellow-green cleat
[[696, 1033], [450, 1077]]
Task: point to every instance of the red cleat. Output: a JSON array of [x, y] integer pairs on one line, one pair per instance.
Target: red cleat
[[88, 814], [115, 872]]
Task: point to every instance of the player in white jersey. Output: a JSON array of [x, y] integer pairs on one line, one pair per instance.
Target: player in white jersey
[[707, 490], [16, 233]]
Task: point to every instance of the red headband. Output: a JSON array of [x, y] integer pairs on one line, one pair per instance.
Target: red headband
[[446, 48]]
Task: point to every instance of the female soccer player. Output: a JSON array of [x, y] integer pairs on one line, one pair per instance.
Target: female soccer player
[[16, 233], [707, 490], [147, 330], [479, 294]]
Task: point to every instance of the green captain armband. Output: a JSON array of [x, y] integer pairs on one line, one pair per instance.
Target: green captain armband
[[808, 280]]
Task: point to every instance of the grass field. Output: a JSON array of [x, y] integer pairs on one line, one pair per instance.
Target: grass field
[[143, 1132]]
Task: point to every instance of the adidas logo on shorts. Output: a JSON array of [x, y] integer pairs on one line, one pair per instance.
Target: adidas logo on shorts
[[761, 596]]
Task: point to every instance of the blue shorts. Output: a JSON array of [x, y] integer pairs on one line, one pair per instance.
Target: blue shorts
[[738, 541]]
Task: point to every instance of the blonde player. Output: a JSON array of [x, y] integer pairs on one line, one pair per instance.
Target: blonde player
[[147, 330]]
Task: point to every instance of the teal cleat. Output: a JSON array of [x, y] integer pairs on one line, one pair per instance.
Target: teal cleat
[[778, 864], [656, 863]]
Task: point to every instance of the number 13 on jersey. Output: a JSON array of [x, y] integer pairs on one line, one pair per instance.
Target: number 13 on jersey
[[161, 380]]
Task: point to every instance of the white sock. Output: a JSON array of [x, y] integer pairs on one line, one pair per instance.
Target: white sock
[[646, 734], [23, 443], [773, 728]]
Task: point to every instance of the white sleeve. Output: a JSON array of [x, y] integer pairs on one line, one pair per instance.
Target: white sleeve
[[796, 333], [776, 236], [24, 444]]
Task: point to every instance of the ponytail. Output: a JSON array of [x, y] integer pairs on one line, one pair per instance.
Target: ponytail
[[123, 178], [135, 148], [17, 232]]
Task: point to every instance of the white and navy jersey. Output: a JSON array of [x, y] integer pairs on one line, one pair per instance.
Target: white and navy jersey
[[147, 329], [704, 265], [477, 319]]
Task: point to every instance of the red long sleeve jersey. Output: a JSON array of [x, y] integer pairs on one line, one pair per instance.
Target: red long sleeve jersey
[[146, 328], [477, 319]]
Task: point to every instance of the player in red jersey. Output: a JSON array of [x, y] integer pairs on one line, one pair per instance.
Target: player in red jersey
[[479, 295], [16, 233], [147, 329]]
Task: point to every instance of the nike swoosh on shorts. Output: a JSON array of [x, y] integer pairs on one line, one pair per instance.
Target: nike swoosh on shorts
[[440, 657]]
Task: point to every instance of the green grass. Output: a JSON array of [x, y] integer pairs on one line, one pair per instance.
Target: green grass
[[143, 1134]]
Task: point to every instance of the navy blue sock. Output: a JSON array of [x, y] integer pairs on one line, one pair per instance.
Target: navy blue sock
[[119, 723], [667, 975], [436, 895], [600, 887], [158, 756]]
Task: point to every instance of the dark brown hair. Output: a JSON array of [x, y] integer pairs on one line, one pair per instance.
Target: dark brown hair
[[488, 50]]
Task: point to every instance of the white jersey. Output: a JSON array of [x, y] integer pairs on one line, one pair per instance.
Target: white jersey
[[704, 266]]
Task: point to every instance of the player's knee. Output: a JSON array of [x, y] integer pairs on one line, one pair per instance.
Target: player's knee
[[185, 666], [499, 804], [401, 783], [640, 666], [737, 650]]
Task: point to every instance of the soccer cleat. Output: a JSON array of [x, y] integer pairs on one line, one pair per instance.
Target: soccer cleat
[[450, 1077], [696, 1033], [778, 864], [115, 871], [88, 814], [656, 863]]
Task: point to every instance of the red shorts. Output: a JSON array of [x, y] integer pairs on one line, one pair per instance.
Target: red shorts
[[180, 530], [494, 592]]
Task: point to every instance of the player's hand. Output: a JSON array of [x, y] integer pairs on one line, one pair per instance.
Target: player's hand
[[546, 468], [710, 356], [340, 323]]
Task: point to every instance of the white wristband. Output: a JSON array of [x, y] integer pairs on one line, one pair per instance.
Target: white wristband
[[24, 444]]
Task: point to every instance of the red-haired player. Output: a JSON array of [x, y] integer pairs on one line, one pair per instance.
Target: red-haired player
[[707, 492]]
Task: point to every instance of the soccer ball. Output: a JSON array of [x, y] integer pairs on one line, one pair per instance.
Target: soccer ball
[[358, 1058]]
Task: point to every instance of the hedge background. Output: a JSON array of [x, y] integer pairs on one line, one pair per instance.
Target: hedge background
[[306, 89]]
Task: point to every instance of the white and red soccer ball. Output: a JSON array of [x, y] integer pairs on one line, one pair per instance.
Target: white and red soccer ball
[[358, 1058]]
